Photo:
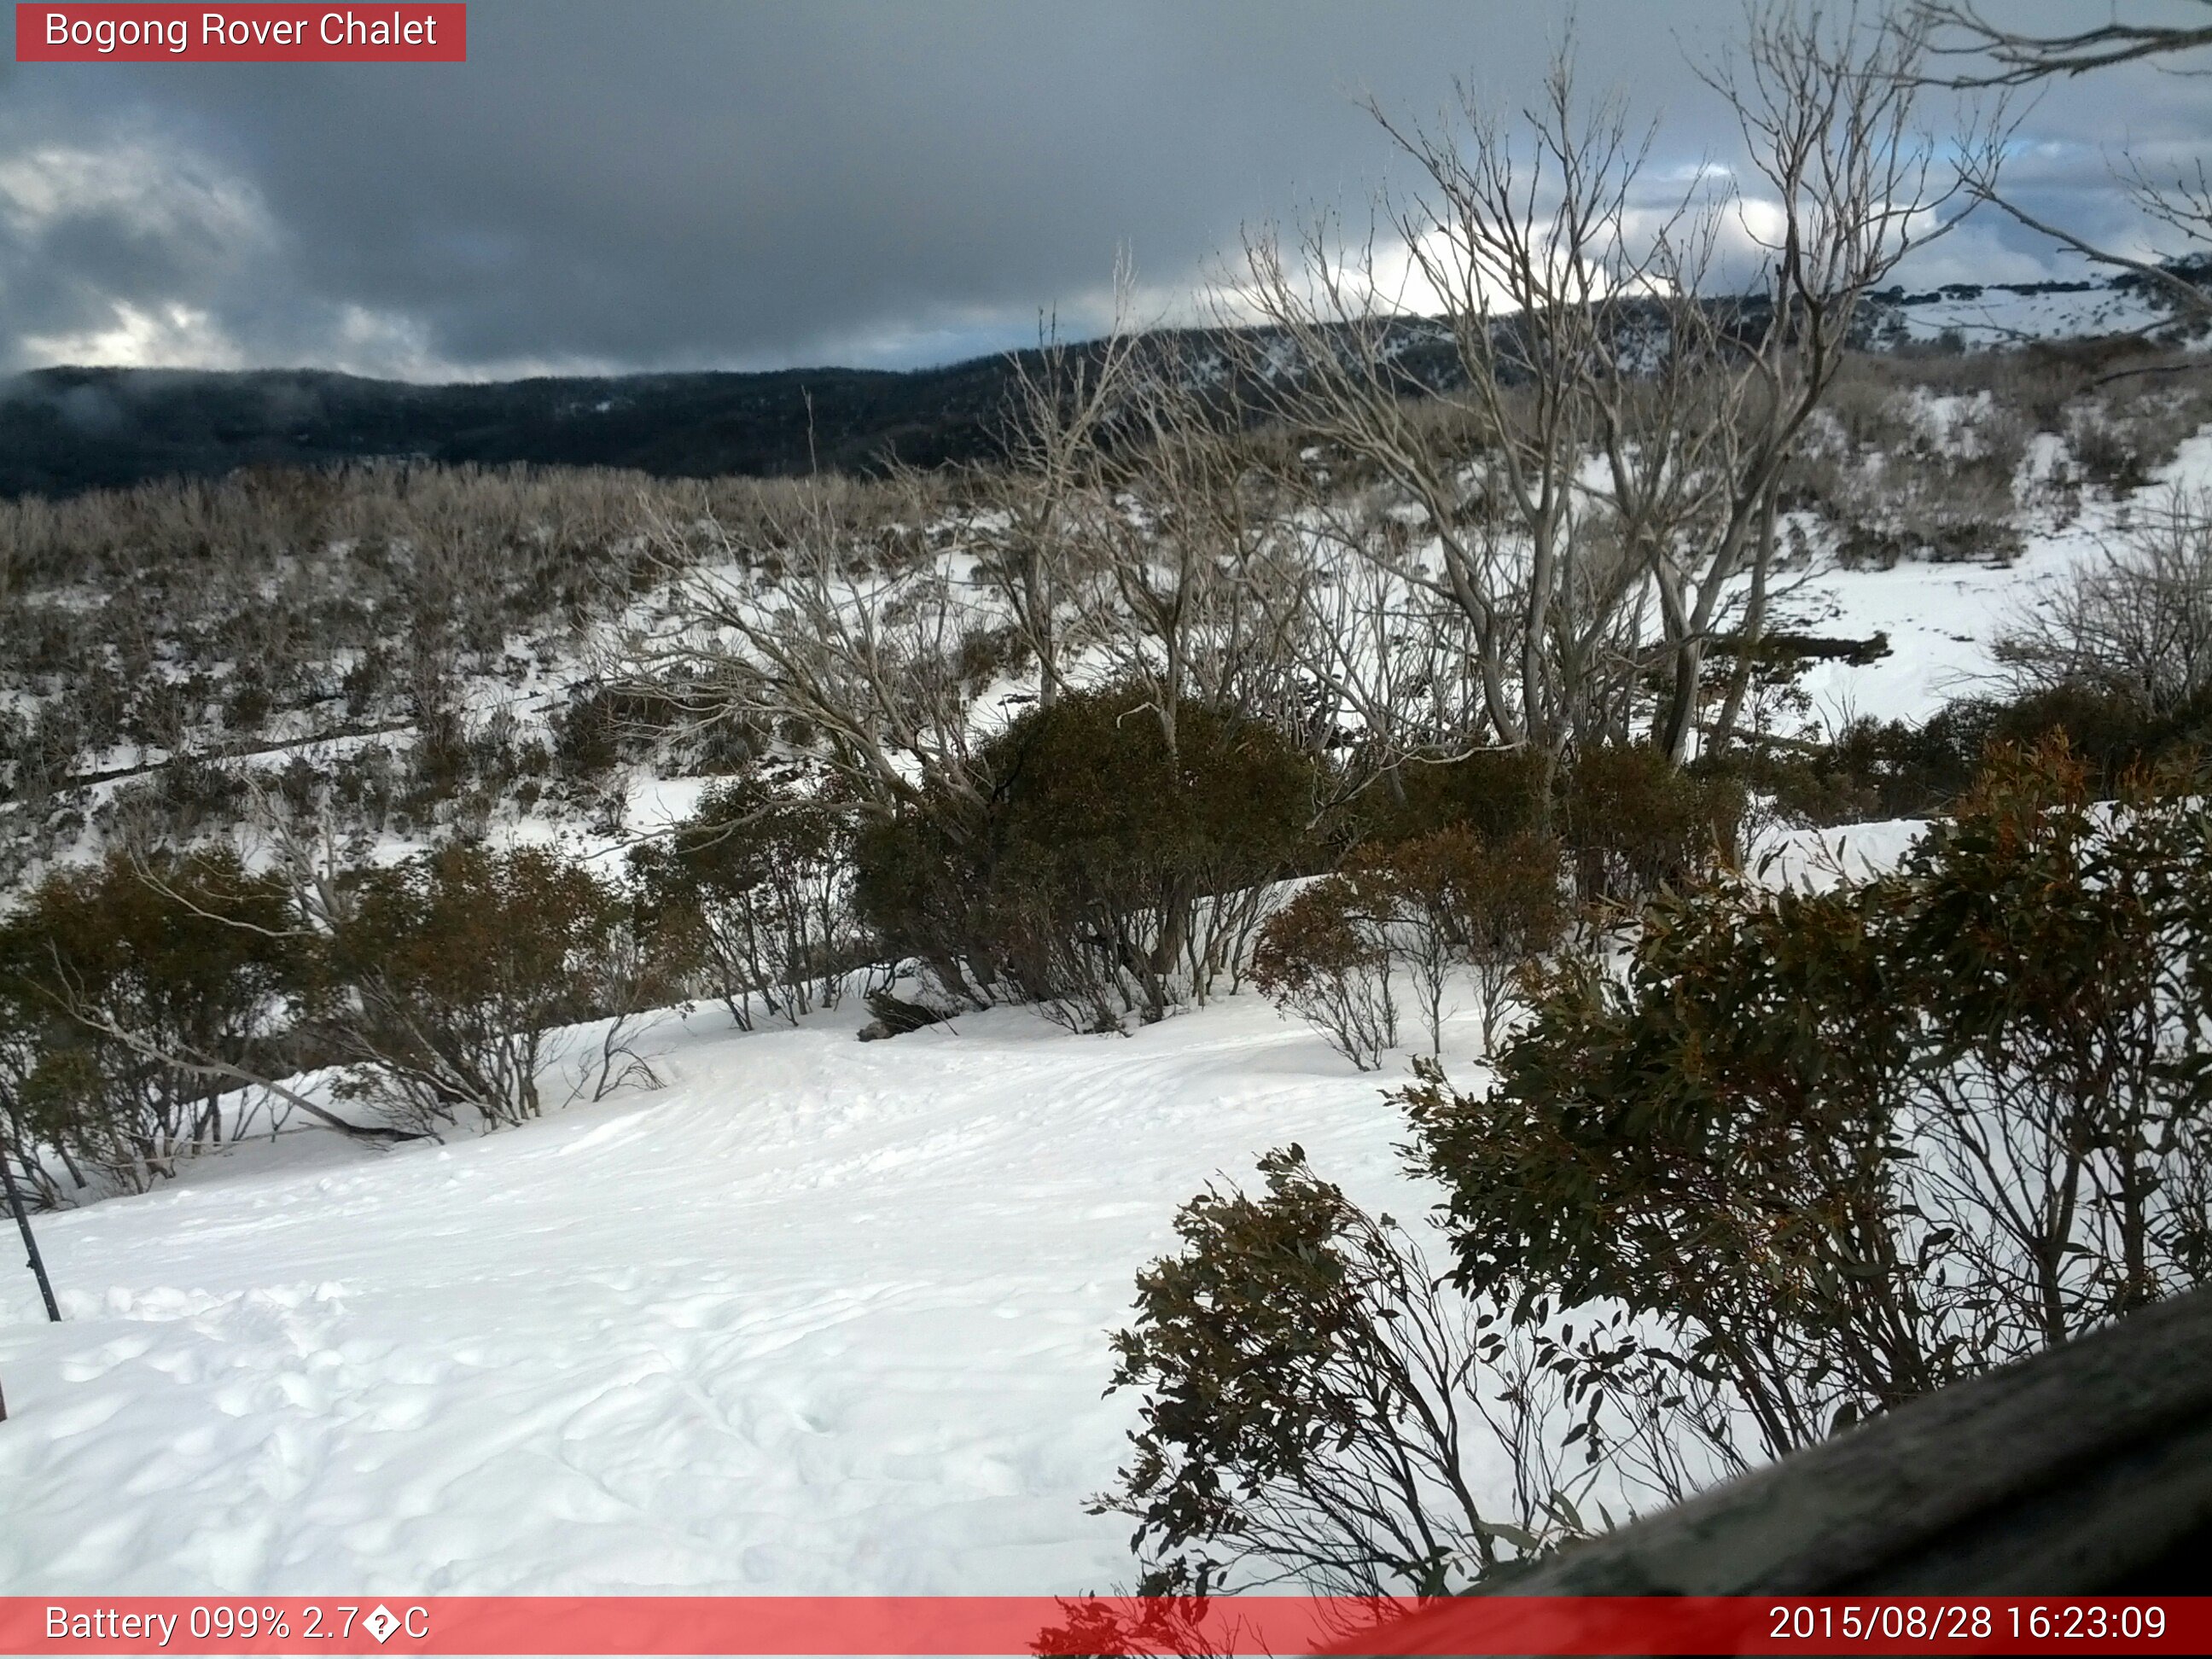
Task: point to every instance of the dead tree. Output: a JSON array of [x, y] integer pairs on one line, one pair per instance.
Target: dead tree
[[1063, 406], [1529, 226], [851, 645], [1195, 565], [1575, 332], [1830, 115], [1609, 423], [1978, 52]]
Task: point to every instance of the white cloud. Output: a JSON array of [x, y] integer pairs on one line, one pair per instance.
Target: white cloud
[[160, 236], [152, 190], [171, 336]]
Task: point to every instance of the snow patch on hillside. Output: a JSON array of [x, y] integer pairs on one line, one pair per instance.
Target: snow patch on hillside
[[1943, 620], [2005, 315]]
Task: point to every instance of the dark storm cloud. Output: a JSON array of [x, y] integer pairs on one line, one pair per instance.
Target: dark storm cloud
[[644, 185]]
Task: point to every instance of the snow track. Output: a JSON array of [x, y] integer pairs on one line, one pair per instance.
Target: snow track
[[818, 1316]]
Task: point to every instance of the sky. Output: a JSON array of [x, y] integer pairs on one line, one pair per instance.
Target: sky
[[611, 186]]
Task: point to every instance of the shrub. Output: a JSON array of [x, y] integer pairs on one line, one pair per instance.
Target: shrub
[[2109, 733], [602, 726], [1869, 769], [2135, 626], [1491, 793], [2114, 452], [1494, 908], [1857, 1144], [1893, 769], [758, 880], [1325, 957], [247, 706], [1103, 873], [924, 890], [1810, 1155], [121, 988], [1634, 823], [1903, 475], [1443, 903], [1315, 1396], [446, 980]]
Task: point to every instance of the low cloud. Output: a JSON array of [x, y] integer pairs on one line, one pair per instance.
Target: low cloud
[[700, 185]]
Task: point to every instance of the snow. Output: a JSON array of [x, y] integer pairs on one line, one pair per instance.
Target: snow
[[818, 1316], [2001, 315], [1818, 860], [1943, 619]]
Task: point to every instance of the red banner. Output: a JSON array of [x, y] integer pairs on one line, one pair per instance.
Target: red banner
[[1276, 1625], [386, 33]]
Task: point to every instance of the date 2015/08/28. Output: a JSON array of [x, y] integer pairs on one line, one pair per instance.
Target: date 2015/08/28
[[1967, 1621]]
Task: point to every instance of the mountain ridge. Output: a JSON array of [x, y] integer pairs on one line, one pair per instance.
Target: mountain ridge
[[69, 429], [65, 430]]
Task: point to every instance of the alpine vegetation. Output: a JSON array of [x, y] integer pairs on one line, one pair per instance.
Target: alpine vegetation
[[1575, 826]]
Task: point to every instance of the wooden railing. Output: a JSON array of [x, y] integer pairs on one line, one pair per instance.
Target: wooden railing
[[2087, 1470]]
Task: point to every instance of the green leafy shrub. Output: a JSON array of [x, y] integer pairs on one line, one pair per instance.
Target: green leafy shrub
[[446, 981], [1105, 873], [1490, 908], [1634, 823], [121, 987], [1854, 1144], [1325, 957], [1318, 1403], [1805, 1156], [1491, 793], [1893, 769], [758, 884], [1444, 903], [2108, 733]]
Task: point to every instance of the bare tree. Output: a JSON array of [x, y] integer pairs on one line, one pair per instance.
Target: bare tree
[[1376, 650], [2137, 624], [2019, 58], [1829, 114], [1997, 56], [846, 643], [1534, 230], [1031, 540], [1610, 422], [1198, 572]]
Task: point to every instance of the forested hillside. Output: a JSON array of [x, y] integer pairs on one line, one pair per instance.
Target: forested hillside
[[64, 430]]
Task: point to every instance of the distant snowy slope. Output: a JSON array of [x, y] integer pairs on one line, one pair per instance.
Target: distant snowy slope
[[2003, 315], [1943, 620]]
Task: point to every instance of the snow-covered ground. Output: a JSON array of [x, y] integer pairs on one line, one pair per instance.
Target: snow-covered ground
[[1942, 619], [818, 1316], [2002, 314]]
